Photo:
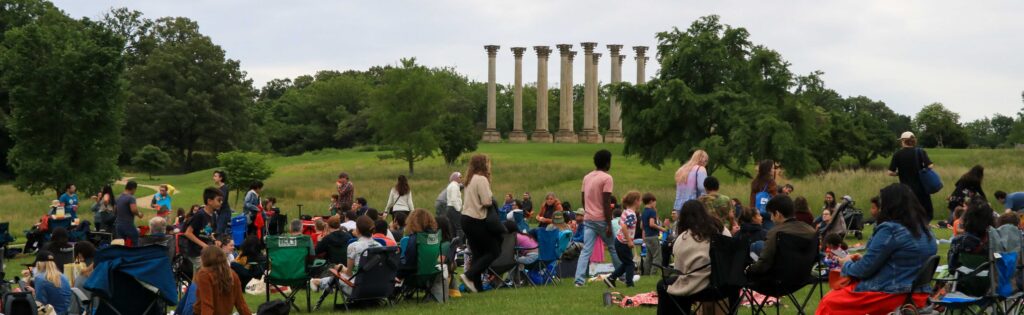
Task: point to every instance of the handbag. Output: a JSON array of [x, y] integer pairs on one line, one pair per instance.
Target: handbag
[[929, 179]]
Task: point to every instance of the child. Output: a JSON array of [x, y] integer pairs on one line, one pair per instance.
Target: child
[[751, 230], [397, 227], [335, 206], [835, 249], [624, 240], [958, 215], [652, 231]]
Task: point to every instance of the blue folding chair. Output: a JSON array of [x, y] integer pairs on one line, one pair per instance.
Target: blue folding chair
[[239, 224]]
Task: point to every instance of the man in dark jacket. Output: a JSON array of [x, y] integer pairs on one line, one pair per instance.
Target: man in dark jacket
[[782, 210], [333, 246]]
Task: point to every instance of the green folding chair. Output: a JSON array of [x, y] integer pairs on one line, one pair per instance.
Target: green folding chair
[[287, 257], [428, 267]]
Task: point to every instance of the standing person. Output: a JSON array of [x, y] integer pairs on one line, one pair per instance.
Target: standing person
[[103, 210], [346, 191], [907, 163], [652, 232], [125, 213], [251, 204], [484, 241], [400, 197], [69, 200], [763, 185], [1010, 202], [199, 225], [453, 203], [690, 179], [624, 240], [967, 187], [218, 289], [161, 202], [597, 201], [718, 205], [222, 218]]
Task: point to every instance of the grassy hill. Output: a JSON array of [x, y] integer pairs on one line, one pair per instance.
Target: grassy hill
[[308, 179]]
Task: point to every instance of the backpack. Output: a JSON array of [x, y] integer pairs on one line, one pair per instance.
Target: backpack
[[19, 303], [275, 307], [761, 200]]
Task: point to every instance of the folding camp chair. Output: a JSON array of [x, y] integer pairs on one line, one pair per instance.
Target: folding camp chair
[[548, 244], [131, 280], [924, 278], [239, 228], [5, 237], [373, 281], [791, 271], [287, 258], [728, 258], [505, 263], [428, 267], [987, 283]]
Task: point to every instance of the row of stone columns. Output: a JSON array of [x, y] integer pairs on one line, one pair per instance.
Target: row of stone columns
[[566, 133]]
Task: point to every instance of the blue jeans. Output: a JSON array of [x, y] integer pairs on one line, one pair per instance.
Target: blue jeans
[[594, 229]]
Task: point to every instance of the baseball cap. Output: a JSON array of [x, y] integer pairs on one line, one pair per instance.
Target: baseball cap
[[43, 255], [906, 135], [558, 217]]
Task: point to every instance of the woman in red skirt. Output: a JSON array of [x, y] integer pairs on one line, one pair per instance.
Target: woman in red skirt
[[885, 274]]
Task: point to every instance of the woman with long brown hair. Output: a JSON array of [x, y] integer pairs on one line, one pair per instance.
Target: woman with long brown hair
[[484, 243], [218, 289], [764, 182], [400, 197]]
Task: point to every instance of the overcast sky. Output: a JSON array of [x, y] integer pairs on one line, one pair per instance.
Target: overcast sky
[[965, 54]]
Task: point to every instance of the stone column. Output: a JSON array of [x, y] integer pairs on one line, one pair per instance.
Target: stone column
[[595, 99], [589, 131], [641, 64], [491, 133], [566, 133], [517, 135], [614, 134], [541, 134]]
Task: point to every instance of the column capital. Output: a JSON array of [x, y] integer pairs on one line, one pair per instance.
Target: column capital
[[614, 48], [588, 47], [596, 56], [518, 51], [564, 48], [640, 51], [621, 58], [572, 55], [542, 51], [492, 50]]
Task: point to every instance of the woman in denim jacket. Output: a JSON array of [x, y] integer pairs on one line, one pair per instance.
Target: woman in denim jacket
[[884, 275]]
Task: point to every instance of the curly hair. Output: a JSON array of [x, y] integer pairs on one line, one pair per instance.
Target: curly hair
[[420, 220]]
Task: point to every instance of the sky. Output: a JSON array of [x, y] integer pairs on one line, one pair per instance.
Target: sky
[[964, 54]]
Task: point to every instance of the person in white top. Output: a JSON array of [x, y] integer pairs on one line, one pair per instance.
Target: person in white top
[[400, 198], [453, 203]]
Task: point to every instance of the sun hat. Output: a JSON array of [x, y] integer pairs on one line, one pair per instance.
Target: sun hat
[[907, 135], [558, 217]]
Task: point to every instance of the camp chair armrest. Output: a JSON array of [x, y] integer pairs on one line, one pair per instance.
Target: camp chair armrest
[[318, 263], [527, 248], [667, 272]]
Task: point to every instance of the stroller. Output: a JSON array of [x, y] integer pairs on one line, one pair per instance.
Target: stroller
[[132, 280], [838, 224], [854, 221]]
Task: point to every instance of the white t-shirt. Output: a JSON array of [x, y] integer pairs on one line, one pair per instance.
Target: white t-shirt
[[349, 225]]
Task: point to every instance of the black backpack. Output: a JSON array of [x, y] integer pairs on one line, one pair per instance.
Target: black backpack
[[275, 307], [19, 303]]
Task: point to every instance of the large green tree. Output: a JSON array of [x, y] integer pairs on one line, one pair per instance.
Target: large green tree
[[64, 103], [454, 128], [404, 111], [184, 95], [718, 91], [309, 118], [940, 127]]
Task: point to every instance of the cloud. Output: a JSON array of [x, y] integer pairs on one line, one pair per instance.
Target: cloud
[[906, 53]]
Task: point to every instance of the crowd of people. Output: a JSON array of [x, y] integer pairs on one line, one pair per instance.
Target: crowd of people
[[466, 209]]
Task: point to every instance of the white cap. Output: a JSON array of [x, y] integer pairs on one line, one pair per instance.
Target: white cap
[[906, 135]]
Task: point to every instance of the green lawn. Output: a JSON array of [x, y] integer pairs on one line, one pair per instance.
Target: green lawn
[[308, 179]]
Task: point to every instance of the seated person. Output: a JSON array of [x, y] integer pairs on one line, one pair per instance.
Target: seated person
[[364, 229], [691, 250], [958, 220], [227, 245], [751, 230], [335, 238], [295, 229], [158, 236], [49, 285], [974, 240], [85, 253], [419, 221], [518, 216], [782, 210], [835, 249], [894, 255], [382, 232], [526, 246], [398, 225], [348, 221], [60, 248], [218, 290]]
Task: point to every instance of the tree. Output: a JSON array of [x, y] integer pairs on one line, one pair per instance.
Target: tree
[[717, 88], [244, 168], [939, 127], [151, 159], [404, 108], [308, 119], [183, 94], [62, 78]]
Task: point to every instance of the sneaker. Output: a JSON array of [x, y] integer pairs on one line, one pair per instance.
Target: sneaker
[[579, 284], [454, 293], [611, 282], [314, 284], [469, 284]]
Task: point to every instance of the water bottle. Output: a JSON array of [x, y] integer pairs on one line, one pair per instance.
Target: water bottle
[[607, 298]]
